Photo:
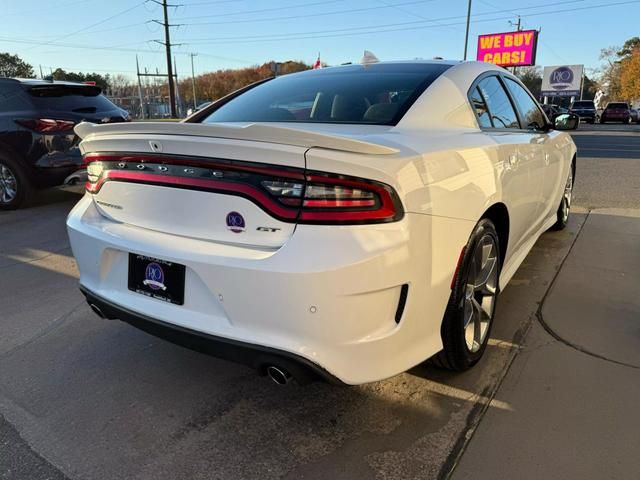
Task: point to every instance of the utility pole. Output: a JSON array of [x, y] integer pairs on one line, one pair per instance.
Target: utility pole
[[167, 44], [177, 87], [466, 36], [41, 75], [193, 81], [518, 25], [140, 89]]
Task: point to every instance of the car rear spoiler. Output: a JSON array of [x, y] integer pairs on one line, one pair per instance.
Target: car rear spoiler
[[259, 132]]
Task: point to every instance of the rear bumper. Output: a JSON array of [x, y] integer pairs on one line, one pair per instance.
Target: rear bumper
[[586, 115], [330, 296], [254, 356]]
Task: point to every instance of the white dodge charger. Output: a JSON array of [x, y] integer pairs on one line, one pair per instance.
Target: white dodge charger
[[347, 223]]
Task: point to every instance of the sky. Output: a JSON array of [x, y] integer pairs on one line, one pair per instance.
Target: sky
[[104, 35]]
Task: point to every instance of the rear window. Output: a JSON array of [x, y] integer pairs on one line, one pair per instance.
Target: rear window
[[583, 105], [375, 94], [69, 98], [618, 105]]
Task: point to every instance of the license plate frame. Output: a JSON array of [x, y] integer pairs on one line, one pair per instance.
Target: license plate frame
[[157, 278]]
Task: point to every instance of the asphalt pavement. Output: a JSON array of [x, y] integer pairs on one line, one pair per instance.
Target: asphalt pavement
[[85, 398]]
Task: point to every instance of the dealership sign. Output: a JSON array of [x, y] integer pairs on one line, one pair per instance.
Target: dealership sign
[[562, 81], [510, 49]]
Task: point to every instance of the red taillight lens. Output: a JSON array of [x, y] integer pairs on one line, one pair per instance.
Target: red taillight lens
[[289, 194], [338, 200], [46, 125]]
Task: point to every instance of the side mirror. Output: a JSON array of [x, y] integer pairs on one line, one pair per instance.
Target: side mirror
[[566, 121]]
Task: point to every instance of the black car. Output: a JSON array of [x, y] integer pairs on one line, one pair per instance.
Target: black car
[[552, 111], [38, 148], [585, 109]]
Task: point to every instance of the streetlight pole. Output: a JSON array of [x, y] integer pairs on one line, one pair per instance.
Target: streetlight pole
[[193, 81], [466, 36]]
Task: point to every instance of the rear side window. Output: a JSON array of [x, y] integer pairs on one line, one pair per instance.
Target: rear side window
[[376, 94], [583, 105], [12, 98], [531, 114], [480, 106], [65, 98], [500, 108], [618, 105]]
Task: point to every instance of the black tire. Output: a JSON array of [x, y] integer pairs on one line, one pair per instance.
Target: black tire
[[11, 169], [456, 354], [564, 209]]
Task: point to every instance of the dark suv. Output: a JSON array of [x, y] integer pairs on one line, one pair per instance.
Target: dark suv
[[38, 148], [585, 109]]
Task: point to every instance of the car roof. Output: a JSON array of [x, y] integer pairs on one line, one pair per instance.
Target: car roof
[[388, 67], [37, 81]]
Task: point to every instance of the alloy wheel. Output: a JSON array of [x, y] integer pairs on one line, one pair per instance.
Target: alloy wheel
[[8, 185], [480, 293], [566, 198]]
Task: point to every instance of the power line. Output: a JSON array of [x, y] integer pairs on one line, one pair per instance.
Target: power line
[[373, 29], [40, 10], [398, 6], [93, 24], [117, 49], [434, 20], [263, 10], [307, 15], [167, 44]]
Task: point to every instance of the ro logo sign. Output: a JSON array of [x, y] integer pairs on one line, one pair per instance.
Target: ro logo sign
[[561, 78]]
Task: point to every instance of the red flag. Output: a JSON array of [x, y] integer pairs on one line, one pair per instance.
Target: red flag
[[317, 64]]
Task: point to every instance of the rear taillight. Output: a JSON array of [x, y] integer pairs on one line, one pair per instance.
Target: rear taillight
[[326, 198], [46, 125], [289, 194], [337, 199]]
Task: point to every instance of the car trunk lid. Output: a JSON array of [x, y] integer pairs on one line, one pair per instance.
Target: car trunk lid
[[239, 184]]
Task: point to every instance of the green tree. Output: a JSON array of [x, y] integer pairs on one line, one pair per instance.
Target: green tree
[[102, 81], [628, 47], [532, 79], [14, 66]]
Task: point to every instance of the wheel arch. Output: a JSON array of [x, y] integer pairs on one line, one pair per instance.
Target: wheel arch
[[499, 215]]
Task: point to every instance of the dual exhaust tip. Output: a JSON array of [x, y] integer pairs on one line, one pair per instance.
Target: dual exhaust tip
[[279, 375], [97, 310]]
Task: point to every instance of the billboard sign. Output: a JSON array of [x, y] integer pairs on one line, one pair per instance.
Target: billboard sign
[[509, 49], [562, 81]]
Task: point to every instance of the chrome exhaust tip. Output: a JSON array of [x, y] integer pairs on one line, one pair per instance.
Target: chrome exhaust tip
[[278, 375], [97, 310]]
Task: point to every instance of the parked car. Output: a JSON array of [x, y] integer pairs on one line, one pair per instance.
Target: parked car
[[616, 112], [635, 114], [351, 244], [191, 111], [585, 109], [553, 111], [38, 148], [550, 110]]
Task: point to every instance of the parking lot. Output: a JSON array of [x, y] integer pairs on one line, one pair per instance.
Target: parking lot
[[82, 397]]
